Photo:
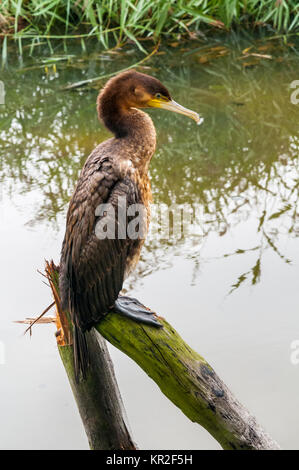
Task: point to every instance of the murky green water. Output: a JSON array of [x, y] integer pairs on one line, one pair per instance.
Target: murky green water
[[230, 288]]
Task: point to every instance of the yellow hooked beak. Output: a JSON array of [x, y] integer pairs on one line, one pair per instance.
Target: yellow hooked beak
[[175, 107]]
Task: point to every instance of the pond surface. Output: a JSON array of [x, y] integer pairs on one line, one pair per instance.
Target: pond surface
[[230, 287]]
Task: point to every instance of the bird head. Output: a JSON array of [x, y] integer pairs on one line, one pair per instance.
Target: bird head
[[138, 90]]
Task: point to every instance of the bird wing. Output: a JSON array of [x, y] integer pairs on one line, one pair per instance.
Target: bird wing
[[93, 268]]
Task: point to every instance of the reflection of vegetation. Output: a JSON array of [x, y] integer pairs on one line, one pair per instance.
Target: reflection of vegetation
[[241, 164]]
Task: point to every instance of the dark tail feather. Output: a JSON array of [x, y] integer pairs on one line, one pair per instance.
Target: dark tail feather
[[81, 354], [67, 284]]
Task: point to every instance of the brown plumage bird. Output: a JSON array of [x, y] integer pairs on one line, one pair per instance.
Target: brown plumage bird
[[93, 266]]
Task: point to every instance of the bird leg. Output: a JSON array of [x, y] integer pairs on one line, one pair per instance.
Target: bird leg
[[136, 311]]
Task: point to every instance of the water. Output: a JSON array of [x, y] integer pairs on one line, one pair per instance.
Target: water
[[230, 289]]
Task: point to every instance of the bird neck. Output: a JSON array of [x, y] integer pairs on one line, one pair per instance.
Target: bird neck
[[132, 128], [124, 121], [139, 142]]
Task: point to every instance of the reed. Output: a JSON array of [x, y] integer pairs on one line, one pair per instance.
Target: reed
[[135, 20]]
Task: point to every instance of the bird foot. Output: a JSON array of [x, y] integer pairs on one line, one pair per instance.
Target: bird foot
[[136, 311]]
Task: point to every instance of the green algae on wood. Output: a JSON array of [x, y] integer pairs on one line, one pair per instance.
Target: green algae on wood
[[187, 380], [182, 374]]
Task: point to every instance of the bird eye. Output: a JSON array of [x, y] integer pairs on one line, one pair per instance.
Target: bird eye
[[158, 95]]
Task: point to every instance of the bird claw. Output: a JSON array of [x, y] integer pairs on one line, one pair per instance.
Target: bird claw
[[136, 311]]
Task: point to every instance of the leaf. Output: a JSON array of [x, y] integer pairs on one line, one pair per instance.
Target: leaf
[[162, 19], [241, 280], [262, 220], [245, 51], [256, 271], [132, 37], [276, 250], [282, 211], [4, 51], [261, 56]]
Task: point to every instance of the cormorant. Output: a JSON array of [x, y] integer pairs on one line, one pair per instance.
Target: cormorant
[[93, 267]]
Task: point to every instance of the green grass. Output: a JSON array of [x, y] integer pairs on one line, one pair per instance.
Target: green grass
[[134, 20]]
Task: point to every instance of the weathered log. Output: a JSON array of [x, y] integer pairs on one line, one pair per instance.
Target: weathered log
[[98, 397], [184, 377], [188, 381]]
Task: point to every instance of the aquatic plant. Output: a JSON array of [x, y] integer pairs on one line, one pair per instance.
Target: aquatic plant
[[137, 20]]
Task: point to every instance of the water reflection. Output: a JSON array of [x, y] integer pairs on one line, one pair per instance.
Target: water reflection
[[241, 164]]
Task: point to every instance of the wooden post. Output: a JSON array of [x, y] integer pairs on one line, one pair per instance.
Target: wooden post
[[98, 397], [188, 381], [182, 374]]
